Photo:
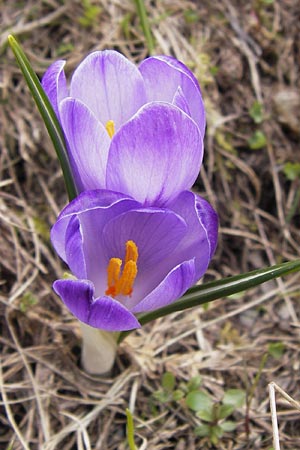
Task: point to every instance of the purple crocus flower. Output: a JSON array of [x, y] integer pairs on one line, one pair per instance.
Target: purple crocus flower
[[130, 258], [109, 101]]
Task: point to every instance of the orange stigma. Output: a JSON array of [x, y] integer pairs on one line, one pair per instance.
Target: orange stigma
[[122, 283], [110, 128]]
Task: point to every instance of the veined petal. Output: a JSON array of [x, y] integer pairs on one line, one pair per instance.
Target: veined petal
[[74, 248], [88, 143], [209, 219], [111, 203], [110, 315], [156, 232], [174, 285], [105, 312], [55, 85], [163, 75], [155, 155], [77, 295], [180, 101], [110, 85], [201, 237]]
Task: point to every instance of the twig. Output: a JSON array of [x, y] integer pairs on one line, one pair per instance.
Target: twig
[[272, 388], [276, 443]]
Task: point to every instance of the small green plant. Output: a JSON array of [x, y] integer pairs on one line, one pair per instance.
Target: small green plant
[[291, 171], [168, 393], [27, 300], [256, 112], [214, 415], [257, 141], [90, 14], [65, 48], [276, 349], [191, 16]]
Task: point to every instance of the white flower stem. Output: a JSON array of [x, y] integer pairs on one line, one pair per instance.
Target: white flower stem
[[99, 349]]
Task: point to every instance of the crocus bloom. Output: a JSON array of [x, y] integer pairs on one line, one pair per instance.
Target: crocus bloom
[[110, 101], [130, 258]]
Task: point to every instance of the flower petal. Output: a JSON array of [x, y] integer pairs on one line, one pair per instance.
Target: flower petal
[[74, 248], [111, 203], [175, 284], [156, 232], [155, 155], [77, 295], [111, 315], [209, 219], [105, 312], [163, 75], [110, 85], [201, 237], [180, 101], [55, 85], [88, 143]]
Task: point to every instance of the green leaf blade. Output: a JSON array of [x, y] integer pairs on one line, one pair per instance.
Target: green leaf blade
[[47, 113], [225, 287], [142, 13]]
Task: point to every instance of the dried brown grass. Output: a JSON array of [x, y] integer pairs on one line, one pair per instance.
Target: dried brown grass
[[48, 402]]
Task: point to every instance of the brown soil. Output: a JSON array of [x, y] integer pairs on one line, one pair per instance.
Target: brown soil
[[241, 52]]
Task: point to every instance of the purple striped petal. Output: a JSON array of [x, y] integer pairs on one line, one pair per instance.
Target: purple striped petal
[[180, 101], [74, 248], [156, 233], [55, 85], [88, 143], [110, 85], [156, 155], [175, 284], [163, 75], [105, 312], [202, 229], [89, 202]]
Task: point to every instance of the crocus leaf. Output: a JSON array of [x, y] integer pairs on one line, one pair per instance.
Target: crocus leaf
[[141, 10], [47, 113], [130, 430], [222, 288]]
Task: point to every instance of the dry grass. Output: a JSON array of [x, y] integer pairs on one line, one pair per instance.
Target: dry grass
[[47, 401]]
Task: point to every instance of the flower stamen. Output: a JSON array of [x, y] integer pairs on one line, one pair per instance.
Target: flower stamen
[[110, 128], [122, 284]]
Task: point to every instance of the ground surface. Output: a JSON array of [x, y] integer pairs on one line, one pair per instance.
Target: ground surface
[[242, 52]]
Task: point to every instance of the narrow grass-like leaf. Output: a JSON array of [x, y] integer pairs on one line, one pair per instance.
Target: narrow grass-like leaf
[[130, 430], [214, 290], [141, 10], [47, 113]]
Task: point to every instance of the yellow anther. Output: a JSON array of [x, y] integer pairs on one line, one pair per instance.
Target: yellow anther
[[113, 275], [122, 283], [110, 128], [131, 252]]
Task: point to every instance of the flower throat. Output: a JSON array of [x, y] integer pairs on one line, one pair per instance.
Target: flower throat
[[122, 283], [110, 128]]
